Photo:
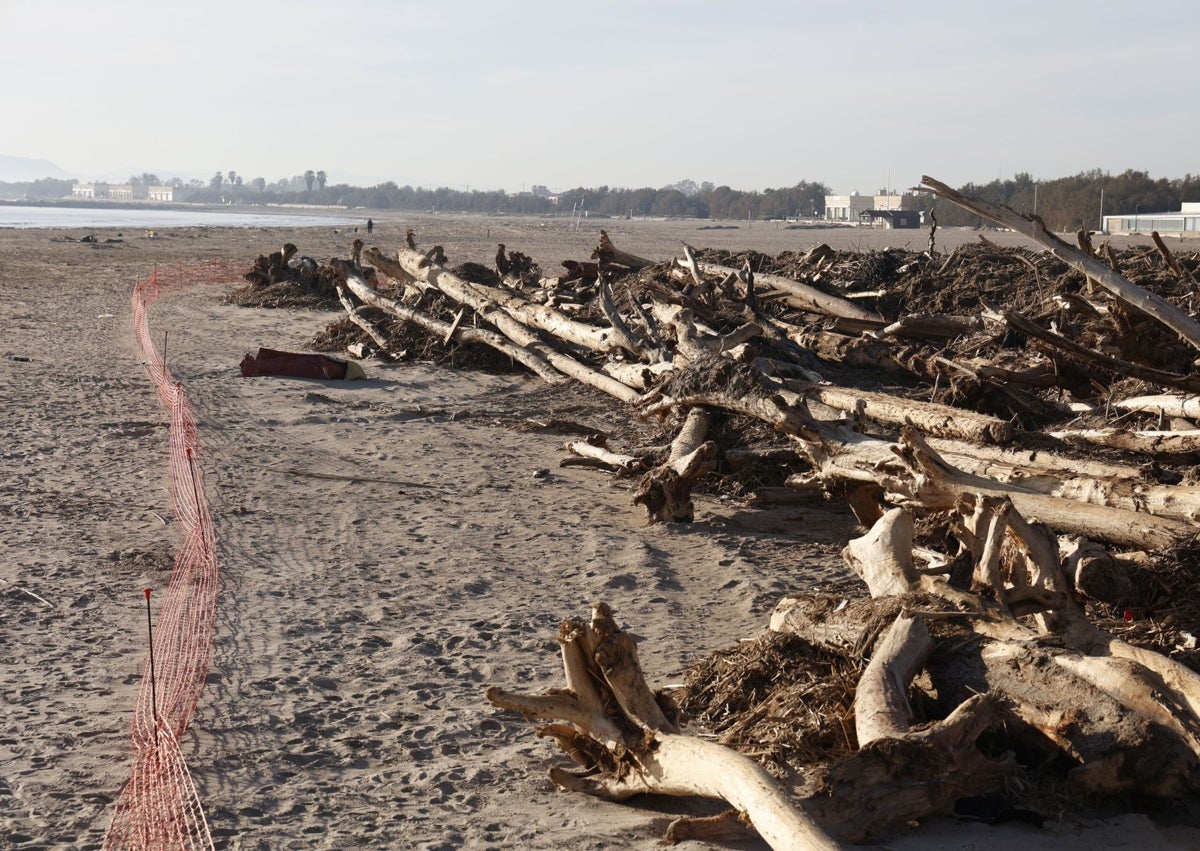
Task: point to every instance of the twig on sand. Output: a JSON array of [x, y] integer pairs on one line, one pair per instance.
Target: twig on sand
[[292, 471], [19, 590]]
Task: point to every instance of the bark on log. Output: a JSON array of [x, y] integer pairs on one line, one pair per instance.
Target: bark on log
[[625, 335], [931, 418], [882, 558], [366, 327], [867, 352], [639, 376], [1168, 404], [1123, 742], [542, 316], [485, 299], [881, 707], [1123, 487], [721, 383], [1162, 695], [1146, 442], [690, 343], [602, 456], [1117, 502], [391, 268], [1121, 288], [1093, 571], [927, 326]]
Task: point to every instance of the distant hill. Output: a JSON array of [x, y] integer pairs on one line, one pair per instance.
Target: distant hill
[[18, 169]]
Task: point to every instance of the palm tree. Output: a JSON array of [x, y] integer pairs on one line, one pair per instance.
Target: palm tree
[[309, 177], [321, 178]]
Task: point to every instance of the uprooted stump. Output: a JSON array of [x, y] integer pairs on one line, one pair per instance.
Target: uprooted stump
[[961, 692], [625, 739]]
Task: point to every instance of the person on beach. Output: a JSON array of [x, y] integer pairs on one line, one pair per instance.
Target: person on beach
[[370, 226]]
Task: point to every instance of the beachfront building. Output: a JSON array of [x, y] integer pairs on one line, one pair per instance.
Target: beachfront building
[[847, 208], [89, 190], [857, 209], [1184, 223], [122, 192], [891, 219]]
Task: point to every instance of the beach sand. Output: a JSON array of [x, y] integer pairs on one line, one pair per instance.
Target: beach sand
[[388, 549]]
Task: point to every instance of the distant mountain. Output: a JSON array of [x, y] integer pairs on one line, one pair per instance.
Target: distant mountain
[[20, 169]]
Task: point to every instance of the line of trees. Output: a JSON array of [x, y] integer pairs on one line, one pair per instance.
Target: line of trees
[[1065, 203], [683, 199]]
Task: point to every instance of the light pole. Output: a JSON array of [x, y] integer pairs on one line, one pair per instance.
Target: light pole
[[1137, 209]]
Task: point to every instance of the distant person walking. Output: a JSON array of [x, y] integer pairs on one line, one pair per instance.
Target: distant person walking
[[370, 226]]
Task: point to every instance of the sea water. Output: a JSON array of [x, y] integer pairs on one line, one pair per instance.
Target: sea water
[[108, 217]]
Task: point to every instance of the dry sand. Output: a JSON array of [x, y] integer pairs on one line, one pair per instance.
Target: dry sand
[[387, 551]]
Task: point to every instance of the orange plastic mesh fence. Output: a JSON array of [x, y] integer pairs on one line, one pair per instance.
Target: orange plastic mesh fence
[[159, 807]]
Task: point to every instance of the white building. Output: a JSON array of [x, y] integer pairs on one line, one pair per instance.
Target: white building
[[121, 192], [1184, 223], [89, 190], [847, 208], [853, 208]]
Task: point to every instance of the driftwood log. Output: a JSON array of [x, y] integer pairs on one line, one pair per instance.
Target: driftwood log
[[625, 740], [971, 660], [1050, 686], [498, 308]]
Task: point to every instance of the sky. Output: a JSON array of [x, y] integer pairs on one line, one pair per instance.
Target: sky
[[859, 95]]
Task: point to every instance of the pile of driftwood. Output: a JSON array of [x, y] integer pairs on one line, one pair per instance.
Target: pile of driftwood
[[1020, 456]]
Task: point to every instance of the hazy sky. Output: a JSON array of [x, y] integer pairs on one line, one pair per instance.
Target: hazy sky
[[565, 93]]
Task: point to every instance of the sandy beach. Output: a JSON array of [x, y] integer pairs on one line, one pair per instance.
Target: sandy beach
[[388, 548]]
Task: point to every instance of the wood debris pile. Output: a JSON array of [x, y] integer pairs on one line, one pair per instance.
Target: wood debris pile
[[1015, 431]]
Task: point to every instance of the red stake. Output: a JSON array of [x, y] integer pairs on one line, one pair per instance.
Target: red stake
[[153, 692]]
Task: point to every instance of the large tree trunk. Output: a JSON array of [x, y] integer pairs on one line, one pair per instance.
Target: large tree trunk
[[1145, 442], [929, 417]]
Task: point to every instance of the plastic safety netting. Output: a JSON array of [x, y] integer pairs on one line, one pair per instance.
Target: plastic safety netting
[[159, 807]]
